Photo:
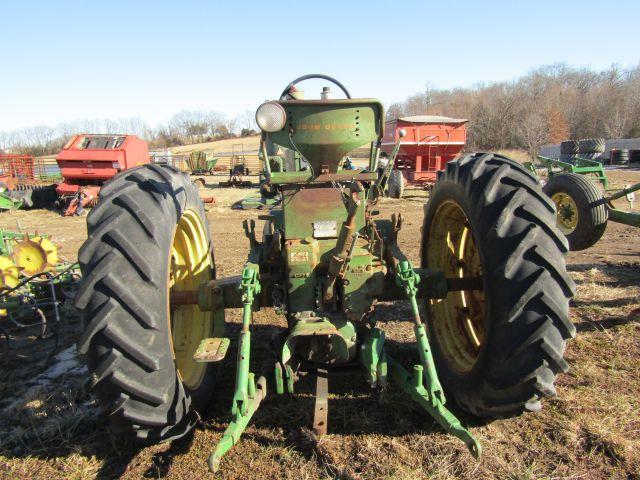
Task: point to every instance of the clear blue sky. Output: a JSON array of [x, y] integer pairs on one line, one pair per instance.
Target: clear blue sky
[[64, 60]]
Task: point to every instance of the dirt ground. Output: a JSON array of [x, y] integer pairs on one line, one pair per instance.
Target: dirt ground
[[51, 427]]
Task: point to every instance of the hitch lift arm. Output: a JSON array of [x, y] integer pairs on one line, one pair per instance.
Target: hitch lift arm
[[423, 385], [248, 393]]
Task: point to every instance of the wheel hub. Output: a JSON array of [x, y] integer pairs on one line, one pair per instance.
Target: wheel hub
[[567, 212], [35, 255]]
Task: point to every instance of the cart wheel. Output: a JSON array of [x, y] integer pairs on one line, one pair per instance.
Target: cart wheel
[[497, 350], [148, 236], [581, 210], [395, 187]]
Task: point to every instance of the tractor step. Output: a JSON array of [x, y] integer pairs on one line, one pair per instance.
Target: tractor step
[[212, 349]]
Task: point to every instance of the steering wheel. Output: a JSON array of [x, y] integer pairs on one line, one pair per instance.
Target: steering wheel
[[286, 91]]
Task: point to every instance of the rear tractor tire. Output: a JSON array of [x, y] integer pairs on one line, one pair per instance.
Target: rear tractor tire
[[396, 183], [497, 350], [581, 210], [148, 236]]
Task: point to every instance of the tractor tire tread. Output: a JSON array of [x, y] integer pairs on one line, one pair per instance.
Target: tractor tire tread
[[124, 340], [526, 276]]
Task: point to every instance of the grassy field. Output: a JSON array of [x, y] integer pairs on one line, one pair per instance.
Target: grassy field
[[51, 426]]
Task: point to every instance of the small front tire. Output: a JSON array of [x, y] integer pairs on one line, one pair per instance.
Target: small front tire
[[581, 212], [396, 183]]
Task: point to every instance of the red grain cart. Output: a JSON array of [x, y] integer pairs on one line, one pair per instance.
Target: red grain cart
[[430, 142], [88, 160]]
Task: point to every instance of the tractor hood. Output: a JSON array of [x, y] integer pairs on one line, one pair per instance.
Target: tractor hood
[[324, 131]]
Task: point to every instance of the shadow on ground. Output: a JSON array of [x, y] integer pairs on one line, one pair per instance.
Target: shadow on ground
[[354, 408]]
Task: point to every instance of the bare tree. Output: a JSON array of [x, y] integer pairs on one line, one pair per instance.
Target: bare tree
[[533, 132]]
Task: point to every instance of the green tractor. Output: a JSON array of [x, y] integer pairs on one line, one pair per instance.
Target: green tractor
[[492, 280]]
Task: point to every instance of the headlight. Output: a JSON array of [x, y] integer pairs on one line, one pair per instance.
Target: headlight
[[271, 117]]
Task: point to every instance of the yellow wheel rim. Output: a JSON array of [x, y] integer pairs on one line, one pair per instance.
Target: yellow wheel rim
[[567, 216], [35, 255], [50, 249], [9, 273], [458, 320], [190, 265]]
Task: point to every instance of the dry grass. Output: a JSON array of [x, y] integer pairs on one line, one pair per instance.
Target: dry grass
[[590, 431], [248, 143], [518, 155]]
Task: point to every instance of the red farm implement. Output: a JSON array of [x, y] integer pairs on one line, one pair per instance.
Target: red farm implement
[[16, 170], [87, 161], [429, 143], [24, 182]]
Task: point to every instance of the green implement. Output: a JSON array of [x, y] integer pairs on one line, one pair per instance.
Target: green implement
[[200, 163], [9, 203], [578, 165]]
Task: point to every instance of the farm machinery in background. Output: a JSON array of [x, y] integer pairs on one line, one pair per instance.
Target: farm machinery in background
[[36, 286], [87, 161], [492, 279], [200, 163], [430, 142], [237, 169], [582, 207], [583, 210], [24, 183]]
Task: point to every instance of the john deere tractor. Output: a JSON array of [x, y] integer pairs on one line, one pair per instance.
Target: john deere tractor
[[492, 281]]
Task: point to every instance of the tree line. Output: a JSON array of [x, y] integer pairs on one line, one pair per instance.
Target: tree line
[[183, 128], [550, 104]]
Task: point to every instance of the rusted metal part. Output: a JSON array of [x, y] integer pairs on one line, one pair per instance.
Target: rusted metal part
[[185, 297], [213, 295], [346, 242], [321, 411], [316, 339], [222, 293], [86, 196], [304, 206]]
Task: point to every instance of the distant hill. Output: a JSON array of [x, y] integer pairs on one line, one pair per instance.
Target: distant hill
[[248, 144]]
